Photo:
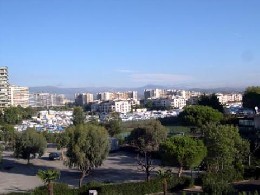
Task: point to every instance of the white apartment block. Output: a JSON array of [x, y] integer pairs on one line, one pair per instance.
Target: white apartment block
[[229, 98], [178, 103], [108, 96], [4, 88], [46, 100], [84, 98], [121, 106], [19, 96], [165, 93]]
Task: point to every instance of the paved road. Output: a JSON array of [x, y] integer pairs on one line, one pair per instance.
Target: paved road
[[16, 175]]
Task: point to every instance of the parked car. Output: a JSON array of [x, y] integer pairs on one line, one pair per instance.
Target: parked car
[[54, 156]]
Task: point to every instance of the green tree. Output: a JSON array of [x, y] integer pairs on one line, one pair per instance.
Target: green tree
[[164, 175], [188, 152], [147, 139], [211, 101], [114, 127], [62, 141], [29, 142], [251, 97], [8, 134], [48, 176], [78, 116], [12, 115], [29, 112], [148, 104], [226, 149], [87, 148], [200, 115]]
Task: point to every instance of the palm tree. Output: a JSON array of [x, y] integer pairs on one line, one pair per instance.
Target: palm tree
[[164, 175], [48, 176]]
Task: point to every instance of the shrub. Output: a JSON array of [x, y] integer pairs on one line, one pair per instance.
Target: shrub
[[58, 188], [138, 188], [215, 183]]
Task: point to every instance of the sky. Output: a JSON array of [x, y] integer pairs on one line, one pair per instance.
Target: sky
[[131, 43]]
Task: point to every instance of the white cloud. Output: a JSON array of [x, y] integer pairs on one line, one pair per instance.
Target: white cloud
[[159, 78]]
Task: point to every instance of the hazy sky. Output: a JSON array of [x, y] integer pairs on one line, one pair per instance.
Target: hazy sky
[[76, 43]]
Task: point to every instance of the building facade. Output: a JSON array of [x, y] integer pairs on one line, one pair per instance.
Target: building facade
[[19, 96], [4, 88], [46, 100], [84, 98], [121, 106], [110, 96], [229, 98]]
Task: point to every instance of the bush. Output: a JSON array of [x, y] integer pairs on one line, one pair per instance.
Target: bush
[[139, 188], [215, 183], [58, 188]]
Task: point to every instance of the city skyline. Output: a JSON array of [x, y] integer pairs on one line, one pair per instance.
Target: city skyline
[[131, 43]]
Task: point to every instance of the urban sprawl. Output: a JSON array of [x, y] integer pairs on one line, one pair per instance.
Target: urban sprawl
[[162, 103]]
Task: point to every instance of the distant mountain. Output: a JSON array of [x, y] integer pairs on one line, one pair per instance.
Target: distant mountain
[[70, 92]]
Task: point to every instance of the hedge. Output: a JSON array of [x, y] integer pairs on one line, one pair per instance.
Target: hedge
[[137, 188], [58, 189]]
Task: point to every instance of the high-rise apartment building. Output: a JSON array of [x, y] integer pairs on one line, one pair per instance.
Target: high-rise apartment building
[[106, 96], [4, 88], [154, 93], [46, 100], [84, 98], [19, 96]]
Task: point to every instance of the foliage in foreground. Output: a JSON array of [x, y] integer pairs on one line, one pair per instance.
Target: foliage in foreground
[[48, 176], [88, 147], [28, 143], [139, 188], [187, 151]]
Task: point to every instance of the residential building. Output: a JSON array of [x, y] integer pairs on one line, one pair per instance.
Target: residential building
[[105, 96], [178, 103], [229, 98], [154, 93], [46, 100], [108, 96], [84, 98], [19, 96], [122, 106], [193, 100], [4, 88]]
